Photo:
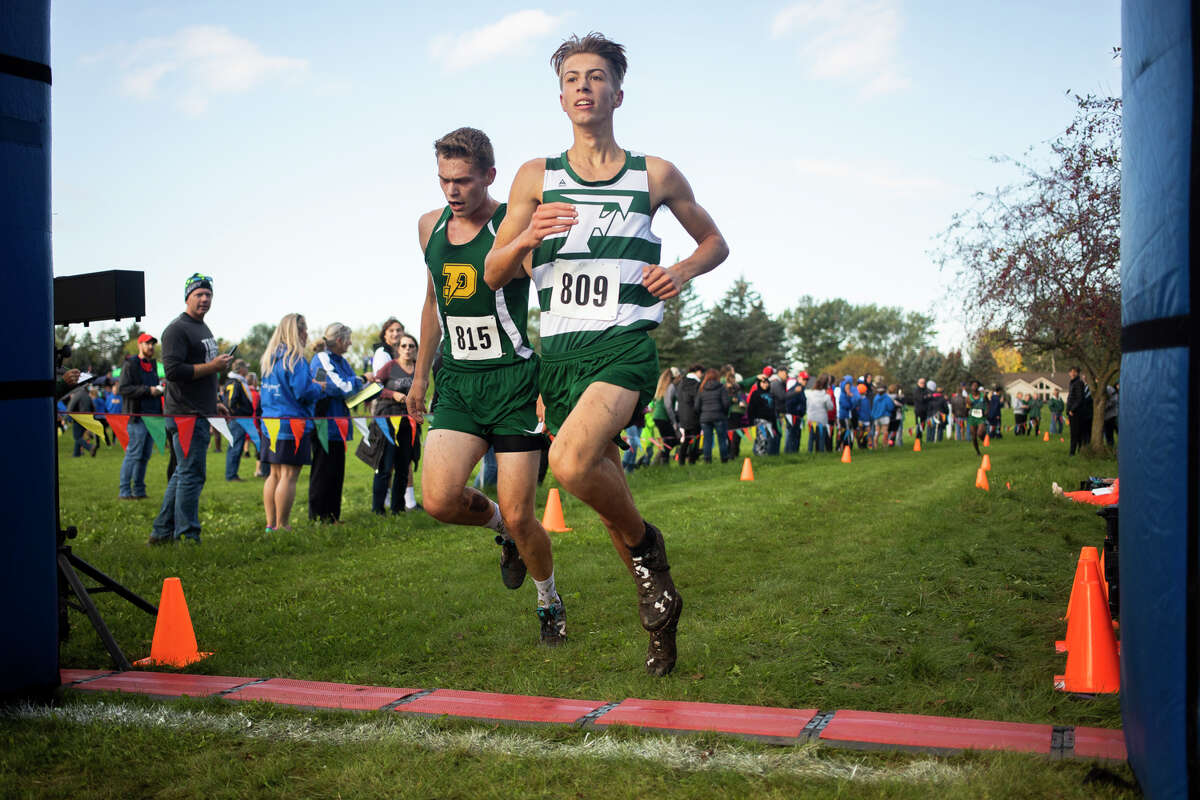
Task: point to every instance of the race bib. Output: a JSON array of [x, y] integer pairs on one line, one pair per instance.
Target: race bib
[[473, 338], [585, 290], [977, 413]]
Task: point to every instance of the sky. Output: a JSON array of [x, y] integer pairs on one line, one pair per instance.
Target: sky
[[284, 147]]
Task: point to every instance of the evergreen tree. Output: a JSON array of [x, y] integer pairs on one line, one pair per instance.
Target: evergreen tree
[[676, 336], [739, 331]]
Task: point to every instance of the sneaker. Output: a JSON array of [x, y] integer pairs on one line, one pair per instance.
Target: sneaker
[[512, 567], [154, 541], [657, 597], [661, 654], [554, 624]]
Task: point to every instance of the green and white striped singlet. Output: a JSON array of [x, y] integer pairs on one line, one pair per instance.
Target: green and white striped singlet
[[589, 279]]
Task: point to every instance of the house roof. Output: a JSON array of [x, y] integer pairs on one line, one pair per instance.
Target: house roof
[[1060, 379]]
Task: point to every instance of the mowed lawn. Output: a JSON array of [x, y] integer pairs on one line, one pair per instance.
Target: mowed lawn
[[887, 584]]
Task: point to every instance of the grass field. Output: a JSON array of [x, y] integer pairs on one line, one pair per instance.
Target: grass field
[[889, 584]]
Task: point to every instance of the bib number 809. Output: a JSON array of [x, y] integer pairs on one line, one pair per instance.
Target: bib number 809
[[586, 291]]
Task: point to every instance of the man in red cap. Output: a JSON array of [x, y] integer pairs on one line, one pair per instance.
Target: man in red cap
[[141, 394]]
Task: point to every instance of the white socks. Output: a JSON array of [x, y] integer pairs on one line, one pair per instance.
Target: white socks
[[547, 594], [410, 498], [494, 523]]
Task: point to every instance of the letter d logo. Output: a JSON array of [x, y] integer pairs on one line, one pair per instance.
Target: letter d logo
[[460, 281]]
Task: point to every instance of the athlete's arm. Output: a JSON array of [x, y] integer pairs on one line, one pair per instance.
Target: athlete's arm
[[430, 328], [526, 223], [669, 188]]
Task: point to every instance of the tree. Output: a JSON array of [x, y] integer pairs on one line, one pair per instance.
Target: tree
[[925, 363], [952, 372], [739, 331], [983, 366], [254, 344], [855, 365], [817, 331], [1039, 260], [675, 337]]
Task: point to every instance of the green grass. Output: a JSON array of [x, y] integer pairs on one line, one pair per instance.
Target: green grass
[[889, 584]]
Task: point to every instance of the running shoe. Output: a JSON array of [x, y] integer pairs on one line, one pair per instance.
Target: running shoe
[[512, 567], [554, 624], [661, 654], [657, 597]]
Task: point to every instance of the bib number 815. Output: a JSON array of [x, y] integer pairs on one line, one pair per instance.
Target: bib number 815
[[473, 338]]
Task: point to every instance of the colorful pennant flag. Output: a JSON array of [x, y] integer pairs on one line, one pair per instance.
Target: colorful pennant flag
[[386, 427], [251, 431], [120, 425], [158, 431], [222, 428], [362, 424], [323, 434], [89, 423], [185, 426], [272, 428], [297, 426], [343, 426]]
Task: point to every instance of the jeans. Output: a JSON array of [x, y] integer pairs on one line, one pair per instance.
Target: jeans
[[393, 472], [77, 431], [486, 477], [817, 438], [718, 430], [179, 515], [1056, 423], [233, 456], [137, 456], [629, 458], [792, 445]]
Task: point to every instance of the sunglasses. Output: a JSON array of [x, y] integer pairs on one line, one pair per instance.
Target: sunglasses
[[408, 346]]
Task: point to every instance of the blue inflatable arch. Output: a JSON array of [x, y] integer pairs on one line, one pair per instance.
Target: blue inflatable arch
[[1160, 388]]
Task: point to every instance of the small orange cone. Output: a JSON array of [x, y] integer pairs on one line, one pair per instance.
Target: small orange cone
[[552, 517], [1008, 485], [1046, 436], [987, 440], [846, 454], [986, 466], [747, 471], [1085, 554], [174, 642], [981, 481], [1093, 665], [1061, 439], [916, 445]]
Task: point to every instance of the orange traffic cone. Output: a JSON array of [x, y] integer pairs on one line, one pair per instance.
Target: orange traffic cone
[[1085, 554], [846, 454], [987, 440], [981, 481], [552, 517], [747, 471], [174, 642], [986, 465], [1046, 436], [1093, 665], [916, 445]]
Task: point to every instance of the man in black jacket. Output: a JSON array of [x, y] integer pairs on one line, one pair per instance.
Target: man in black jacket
[[685, 412], [921, 406], [237, 400], [141, 394], [1079, 411]]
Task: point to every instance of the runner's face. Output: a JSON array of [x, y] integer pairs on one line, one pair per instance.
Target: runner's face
[[465, 187], [588, 91]]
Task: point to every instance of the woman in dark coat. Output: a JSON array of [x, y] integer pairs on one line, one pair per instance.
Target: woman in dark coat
[[712, 404]]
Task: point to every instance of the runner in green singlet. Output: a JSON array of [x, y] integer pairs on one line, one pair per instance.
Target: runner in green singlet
[[487, 386], [976, 414], [579, 224]]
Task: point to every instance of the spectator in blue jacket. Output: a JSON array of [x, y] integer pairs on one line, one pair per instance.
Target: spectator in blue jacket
[[795, 406], [847, 403], [289, 392], [328, 471], [995, 403], [882, 408], [866, 422]]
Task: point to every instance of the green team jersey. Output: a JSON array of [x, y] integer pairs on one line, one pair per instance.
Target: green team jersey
[[481, 328], [978, 406], [589, 279]]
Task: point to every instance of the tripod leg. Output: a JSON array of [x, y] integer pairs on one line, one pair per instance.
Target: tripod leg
[[110, 644], [110, 584]]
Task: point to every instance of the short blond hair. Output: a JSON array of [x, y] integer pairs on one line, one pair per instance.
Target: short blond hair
[[595, 44]]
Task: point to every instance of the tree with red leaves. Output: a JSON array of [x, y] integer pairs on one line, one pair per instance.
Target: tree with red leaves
[[1038, 261]]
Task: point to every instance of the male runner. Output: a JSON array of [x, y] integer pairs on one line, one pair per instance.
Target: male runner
[[579, 224], [487, 386]]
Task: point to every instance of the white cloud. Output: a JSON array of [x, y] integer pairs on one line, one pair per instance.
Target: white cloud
[[878, 177], [198, 63], [848, 40], [462, 50]]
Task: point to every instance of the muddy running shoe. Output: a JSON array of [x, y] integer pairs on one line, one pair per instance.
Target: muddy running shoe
[[512, 567], [660, 654], [657, 598], [554, 624]]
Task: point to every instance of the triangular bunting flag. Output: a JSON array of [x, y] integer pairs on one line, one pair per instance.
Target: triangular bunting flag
[[89, 423], [386, 427], [297, 426], [343, 426], [412, 429], [186, 426], [222, 428], [323, 434], [271, 426], [247, 424], [158, 432], [120, 425], [362, 425]]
